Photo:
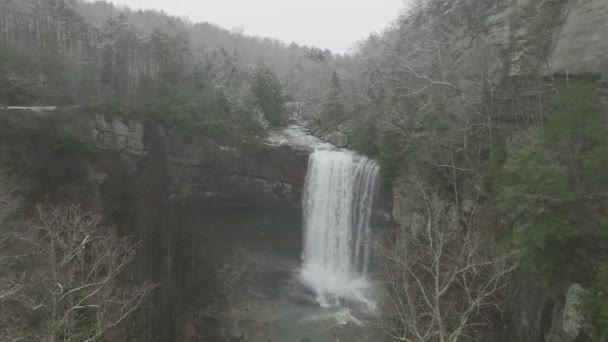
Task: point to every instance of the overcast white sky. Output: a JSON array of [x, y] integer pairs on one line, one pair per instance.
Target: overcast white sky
[[333, 24]]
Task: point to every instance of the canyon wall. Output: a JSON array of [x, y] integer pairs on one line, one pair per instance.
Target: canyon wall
[[511, 42], [196, 204]]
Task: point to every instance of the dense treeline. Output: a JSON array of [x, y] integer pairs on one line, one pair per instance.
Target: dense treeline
[[195, 76], [512, 160]]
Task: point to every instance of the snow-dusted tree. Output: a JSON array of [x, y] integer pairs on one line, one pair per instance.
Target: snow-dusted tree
[[269, 95], [332, 109]]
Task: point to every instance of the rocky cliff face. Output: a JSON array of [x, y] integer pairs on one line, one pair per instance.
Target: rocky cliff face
[[581, 46], [259, 174], [569, 34], [196, 203], [199, 169]]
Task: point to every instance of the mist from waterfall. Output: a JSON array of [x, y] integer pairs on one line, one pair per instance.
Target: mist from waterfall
[[338, 203]]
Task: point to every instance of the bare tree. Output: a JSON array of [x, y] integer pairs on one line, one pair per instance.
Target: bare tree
[[9, 285], [443, 281], [10, 282], [72, 289], [8, 203]]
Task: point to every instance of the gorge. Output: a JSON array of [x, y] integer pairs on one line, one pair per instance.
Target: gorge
[[227, 222], [444, 182]]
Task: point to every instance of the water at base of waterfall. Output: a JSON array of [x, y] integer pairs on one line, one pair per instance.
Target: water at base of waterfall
[[337, 208], [332, 289]]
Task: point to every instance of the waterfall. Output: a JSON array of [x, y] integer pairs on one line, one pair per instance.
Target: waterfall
[[338, 202]]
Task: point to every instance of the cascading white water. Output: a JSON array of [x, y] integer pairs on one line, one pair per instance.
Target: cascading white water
[[338, 204]]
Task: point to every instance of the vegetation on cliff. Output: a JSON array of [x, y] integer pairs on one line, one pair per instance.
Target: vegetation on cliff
[[516, 155]]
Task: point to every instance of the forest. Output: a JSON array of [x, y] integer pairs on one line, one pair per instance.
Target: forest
[[493, 164], [148, 63]]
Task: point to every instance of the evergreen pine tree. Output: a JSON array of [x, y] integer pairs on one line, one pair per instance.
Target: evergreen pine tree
[[268, 92], [333, 108]]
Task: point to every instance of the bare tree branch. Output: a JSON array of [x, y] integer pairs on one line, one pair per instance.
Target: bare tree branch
[[442, 281], [74, 288]]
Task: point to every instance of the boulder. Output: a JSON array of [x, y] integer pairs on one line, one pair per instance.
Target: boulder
[[338, 139], [574, 322], [119, 135]]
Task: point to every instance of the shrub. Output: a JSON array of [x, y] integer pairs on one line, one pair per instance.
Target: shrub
[[363, 139], [67, 142]]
